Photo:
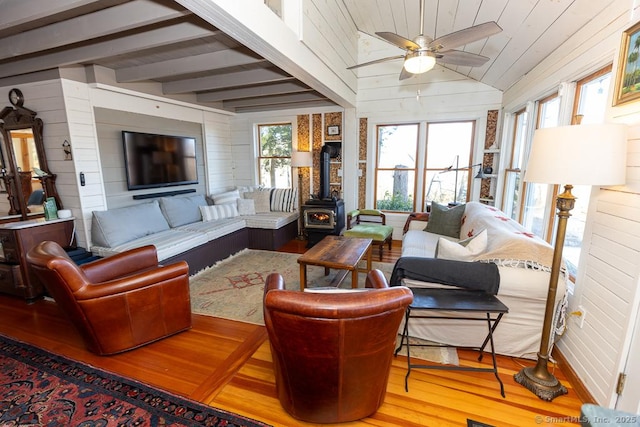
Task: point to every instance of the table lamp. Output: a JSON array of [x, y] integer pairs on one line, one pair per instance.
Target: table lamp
[[301, 159], [590, 154]]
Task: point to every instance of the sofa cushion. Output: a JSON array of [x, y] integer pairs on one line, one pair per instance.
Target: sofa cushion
[[284, 199], [226, 197], [246, 207], [261, 200], [270, 220], [247, 189], [181, 210], [216, 212], [465, 250], [114, 227], [168, 243], [445, 221]]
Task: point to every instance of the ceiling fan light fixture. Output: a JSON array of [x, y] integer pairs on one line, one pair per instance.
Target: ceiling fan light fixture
[[419, 62]]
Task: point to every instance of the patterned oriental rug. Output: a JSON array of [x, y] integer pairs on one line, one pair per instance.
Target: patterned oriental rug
[[233, 289], [42, 389]]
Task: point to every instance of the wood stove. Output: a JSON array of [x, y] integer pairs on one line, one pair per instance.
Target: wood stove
[[324, 215]]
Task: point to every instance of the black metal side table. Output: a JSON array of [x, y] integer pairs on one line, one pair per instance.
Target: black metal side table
[[454, 300]]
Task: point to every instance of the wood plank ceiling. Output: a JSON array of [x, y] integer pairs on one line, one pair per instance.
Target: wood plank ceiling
[[159, 41]]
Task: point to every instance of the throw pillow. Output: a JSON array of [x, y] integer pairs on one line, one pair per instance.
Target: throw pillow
[[215, 212], [114, 227], [284, 199], [181, 210], [246, 207], [226, 197], [444, 220], [466, 250], [260, 200]]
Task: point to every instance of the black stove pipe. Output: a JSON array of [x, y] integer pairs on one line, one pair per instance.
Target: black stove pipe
[[327, 152]]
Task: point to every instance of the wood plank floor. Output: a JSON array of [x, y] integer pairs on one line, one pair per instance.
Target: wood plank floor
[[227, 365]]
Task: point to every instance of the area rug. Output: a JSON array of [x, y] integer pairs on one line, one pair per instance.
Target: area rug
[[42, 389], [233, 289]]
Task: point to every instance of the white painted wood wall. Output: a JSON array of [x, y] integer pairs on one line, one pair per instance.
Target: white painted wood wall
[[607, 279]]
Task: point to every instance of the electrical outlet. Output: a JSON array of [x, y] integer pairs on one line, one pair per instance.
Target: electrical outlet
[[581, 316]]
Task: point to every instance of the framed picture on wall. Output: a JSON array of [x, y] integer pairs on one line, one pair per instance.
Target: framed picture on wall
[[627, 87], [333, 130]]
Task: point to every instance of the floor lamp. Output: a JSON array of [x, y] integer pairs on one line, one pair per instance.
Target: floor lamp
[[479, 175], [592, 154], [299, 160]]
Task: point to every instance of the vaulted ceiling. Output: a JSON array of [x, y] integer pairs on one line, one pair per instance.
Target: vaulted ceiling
[[160, 41]]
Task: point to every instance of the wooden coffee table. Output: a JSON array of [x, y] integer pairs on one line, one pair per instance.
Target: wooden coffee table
[[337, 252]]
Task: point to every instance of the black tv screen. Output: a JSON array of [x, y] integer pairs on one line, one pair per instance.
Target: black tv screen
[[153, 161]]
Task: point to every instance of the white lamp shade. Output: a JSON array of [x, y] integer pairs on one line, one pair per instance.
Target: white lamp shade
[[419, 62], [590, 154], [301, 159]]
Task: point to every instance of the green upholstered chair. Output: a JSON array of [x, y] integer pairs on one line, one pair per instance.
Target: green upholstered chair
[[369, 224]]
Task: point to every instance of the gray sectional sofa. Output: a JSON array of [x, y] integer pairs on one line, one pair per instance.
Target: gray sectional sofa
[[196, 230]]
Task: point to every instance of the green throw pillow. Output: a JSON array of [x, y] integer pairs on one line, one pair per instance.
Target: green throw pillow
[[445, 221]]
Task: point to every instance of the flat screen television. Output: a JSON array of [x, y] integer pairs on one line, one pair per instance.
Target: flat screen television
[[153, 161]]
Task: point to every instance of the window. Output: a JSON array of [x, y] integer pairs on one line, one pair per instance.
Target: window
[[274, 155], [513, 170], [396, 167], [537, 201], [590, 103], [449, 148]]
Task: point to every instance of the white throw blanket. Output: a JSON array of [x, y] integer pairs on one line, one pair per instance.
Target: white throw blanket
[[509, 243]]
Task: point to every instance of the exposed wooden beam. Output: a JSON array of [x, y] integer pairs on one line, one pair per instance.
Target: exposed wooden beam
[[276, 99], [91, 26], [26, 14], [192, 64], [179, 32], [242, 78], [248, 92], [292, 106]]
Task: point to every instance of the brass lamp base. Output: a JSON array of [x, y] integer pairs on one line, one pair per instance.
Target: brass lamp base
[[539, 381]]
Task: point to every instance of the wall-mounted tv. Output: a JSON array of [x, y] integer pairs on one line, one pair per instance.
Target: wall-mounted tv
[[153, 161]]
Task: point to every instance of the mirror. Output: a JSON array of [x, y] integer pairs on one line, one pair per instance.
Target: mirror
[[24, 174]]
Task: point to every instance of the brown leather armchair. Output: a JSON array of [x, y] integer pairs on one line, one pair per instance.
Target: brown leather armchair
[[332, 352], [120, 302]]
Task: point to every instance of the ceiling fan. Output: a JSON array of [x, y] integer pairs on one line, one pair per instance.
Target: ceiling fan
[[422, 52]]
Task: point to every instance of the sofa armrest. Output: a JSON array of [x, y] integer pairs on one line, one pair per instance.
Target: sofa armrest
[[414, 216], [121, 264]]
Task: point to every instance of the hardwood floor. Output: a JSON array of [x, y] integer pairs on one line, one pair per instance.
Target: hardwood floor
[[227, 365]]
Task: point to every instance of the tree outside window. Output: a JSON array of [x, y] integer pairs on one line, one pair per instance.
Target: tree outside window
[[449, 148], [274, 159], [396, 167]]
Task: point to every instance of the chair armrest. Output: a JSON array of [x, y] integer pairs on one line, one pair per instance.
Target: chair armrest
[[121, 264], [274, 281], [375, 279], [136, 281], [414, 216], [355, 214]]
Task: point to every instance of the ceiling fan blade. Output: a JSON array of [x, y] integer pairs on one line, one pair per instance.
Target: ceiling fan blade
[[462, 37], [376, 61], [404, 74], [397, 40], [459, 57]]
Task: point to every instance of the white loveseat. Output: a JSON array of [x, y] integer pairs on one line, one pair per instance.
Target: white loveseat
[[524, 264], [193, 229]]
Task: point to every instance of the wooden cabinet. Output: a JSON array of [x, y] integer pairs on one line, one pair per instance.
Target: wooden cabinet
[[16, 238]]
